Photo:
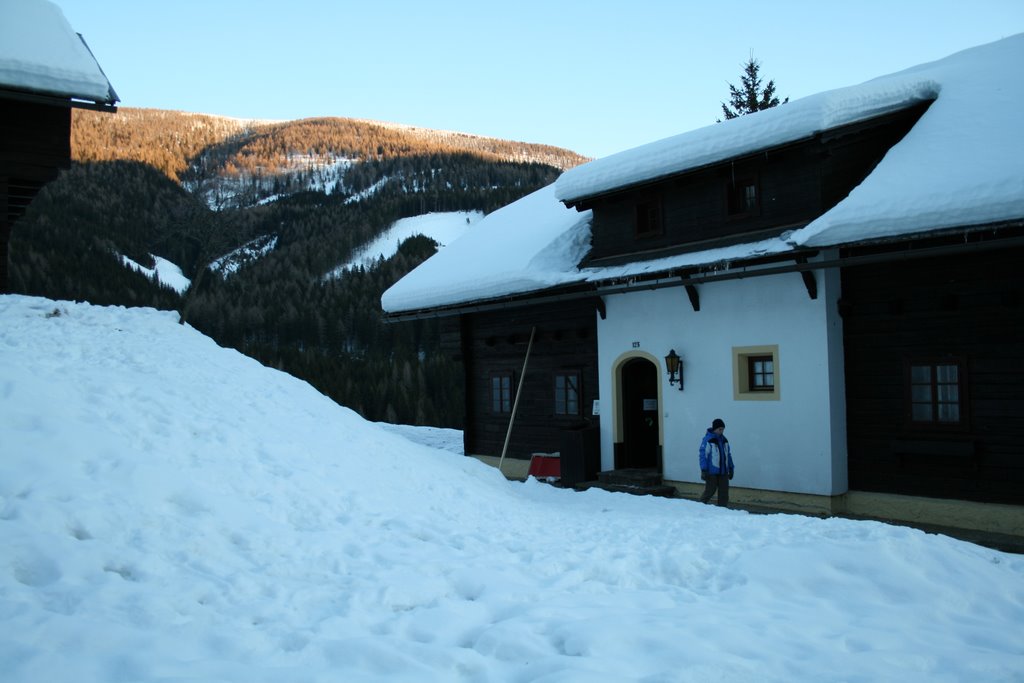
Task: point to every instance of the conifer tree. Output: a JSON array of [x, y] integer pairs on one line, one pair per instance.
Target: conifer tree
[[750, 98]]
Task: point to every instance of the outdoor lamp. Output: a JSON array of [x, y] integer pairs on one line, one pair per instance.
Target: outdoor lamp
[[674, 364]]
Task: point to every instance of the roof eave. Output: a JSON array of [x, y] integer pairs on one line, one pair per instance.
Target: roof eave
[[53, 100], [739, 269]]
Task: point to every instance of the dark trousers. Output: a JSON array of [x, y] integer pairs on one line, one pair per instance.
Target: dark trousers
[[716, 482]]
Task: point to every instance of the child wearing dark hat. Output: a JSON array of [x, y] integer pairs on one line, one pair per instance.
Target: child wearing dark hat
[[716, 467]]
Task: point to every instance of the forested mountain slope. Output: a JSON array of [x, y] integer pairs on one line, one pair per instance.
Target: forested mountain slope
[[191, 188]]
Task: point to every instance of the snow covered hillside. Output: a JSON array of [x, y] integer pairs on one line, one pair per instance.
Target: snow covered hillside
[[171, 510], [164, 272], [444, 228]]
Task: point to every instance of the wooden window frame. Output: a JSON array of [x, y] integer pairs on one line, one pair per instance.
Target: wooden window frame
[[648, 218], [754, 373], [914, 389], [563, 403], [502, 387], [737, 204]]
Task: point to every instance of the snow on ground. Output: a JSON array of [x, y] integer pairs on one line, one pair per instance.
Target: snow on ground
[[436, 437], [444, 228], [171, 510]]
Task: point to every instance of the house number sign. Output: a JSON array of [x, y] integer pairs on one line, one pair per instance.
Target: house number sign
[[636, 345]]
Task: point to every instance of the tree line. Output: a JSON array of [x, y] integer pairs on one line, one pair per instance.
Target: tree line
[[176, 142], [278, 309]]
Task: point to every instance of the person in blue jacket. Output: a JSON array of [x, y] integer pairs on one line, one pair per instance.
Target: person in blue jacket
[[716, 468]]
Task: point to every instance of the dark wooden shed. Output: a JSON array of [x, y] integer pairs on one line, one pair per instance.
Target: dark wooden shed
[[48, 71]]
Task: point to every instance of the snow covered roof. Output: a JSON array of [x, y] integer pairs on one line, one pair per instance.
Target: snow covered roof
[[960, 165], [41, 53], [529, 245]]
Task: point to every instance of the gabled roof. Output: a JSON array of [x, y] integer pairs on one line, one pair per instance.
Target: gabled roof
[[959, 166], [41, 55]]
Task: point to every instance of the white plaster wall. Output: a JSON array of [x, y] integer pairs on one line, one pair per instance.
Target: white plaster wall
[[797, 443]]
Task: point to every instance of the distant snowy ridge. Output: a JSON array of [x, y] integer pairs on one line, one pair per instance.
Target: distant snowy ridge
[[299, 172], [297, 160], [240, 122]]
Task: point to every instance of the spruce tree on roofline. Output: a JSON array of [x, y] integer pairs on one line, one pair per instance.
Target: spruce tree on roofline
[[750, 97]]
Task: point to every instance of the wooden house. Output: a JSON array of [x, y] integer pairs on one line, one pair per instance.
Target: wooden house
[[835, 275], [46, 69], [505, 318]]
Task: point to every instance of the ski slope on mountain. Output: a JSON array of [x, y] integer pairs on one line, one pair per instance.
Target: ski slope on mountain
[[444, 228]]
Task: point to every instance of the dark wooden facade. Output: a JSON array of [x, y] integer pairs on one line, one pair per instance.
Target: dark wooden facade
[[789, 186], [494, 344], [965, 309], [35, 143]]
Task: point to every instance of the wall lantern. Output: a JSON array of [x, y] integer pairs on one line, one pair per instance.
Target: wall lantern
[[674, 364]]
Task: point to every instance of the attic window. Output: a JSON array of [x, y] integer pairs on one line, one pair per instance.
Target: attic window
[[742, 197], [648, 219]]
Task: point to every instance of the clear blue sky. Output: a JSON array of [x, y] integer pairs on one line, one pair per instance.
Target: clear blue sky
[[594, 76]]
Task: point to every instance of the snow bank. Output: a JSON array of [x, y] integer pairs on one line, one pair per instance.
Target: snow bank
[[173, 511]]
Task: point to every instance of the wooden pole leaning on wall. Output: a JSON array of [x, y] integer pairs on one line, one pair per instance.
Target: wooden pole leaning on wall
[[515, 404]]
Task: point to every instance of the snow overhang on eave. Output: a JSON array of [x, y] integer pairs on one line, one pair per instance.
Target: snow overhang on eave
[[979, 238], [597, 287], [537, 297], [53, 100], [48, 78], [99, 105], [960, 238]]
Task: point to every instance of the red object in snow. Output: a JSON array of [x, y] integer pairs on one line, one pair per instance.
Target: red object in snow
[[545, 466]]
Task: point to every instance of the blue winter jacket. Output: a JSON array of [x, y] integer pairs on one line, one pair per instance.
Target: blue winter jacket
[[715, 454]]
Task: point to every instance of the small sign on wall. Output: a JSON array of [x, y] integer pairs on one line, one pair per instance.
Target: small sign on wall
[[650, 404], [596, 409]]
